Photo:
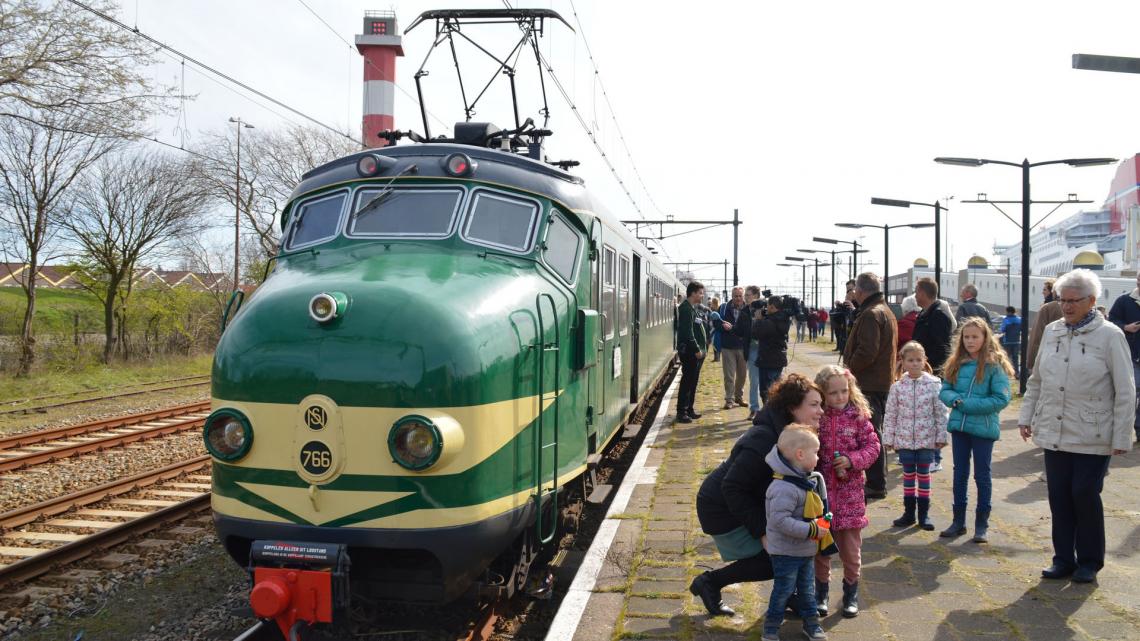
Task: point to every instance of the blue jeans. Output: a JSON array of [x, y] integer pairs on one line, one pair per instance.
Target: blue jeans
[[754, 381], [916, 457], [791, 573], [981, 449], [768, 375]]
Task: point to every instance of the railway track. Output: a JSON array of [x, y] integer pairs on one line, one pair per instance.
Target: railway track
[[44, 408], [40, 538], [34, 448]]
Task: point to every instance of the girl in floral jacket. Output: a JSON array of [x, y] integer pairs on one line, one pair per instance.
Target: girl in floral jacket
[[915, 425], [847, 446]]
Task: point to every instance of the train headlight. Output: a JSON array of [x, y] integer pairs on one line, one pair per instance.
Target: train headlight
[[415, 442], [228, 434], [326, 306]]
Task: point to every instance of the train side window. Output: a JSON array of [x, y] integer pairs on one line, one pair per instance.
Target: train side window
[[608, 292], [623, 300], [315, 220], [502, 221], [561, 249]]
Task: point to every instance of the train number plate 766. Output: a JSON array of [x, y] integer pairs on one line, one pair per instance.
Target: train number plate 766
[[316, 458]]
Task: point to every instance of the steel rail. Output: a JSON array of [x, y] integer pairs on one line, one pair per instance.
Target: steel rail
[[49, 559], [51, 507], [87, 447], [41, 408], [40, 436], [41, 397]]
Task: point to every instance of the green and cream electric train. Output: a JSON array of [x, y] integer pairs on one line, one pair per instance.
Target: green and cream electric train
[[447, 335]]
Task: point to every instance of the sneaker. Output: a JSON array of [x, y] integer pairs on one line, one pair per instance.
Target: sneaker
[[771, 636], [684, 418], [728, 405], [740, 401], [815, 632], [693, 414], [936, 467]]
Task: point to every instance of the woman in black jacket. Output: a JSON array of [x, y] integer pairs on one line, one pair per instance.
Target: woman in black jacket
[[730, 503]]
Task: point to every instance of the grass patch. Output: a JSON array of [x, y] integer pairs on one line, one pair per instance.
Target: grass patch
[[96, 377]]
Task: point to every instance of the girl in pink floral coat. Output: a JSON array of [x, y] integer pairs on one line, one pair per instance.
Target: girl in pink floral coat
[[847, 446]]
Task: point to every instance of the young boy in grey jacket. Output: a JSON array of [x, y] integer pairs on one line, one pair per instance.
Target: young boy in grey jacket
[[792, 540]]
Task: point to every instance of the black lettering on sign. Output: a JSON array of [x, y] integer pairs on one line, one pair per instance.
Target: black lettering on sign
[[316, 417], [316, 458]]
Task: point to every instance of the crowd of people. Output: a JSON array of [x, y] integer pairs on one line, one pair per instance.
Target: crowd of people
[[793, 491]]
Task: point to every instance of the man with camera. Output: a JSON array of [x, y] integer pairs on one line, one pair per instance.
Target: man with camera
[[771, 334]]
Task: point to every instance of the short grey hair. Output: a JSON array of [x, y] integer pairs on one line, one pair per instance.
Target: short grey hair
[[869, 283], [971, 290], [753, 289], [1082, 280], [910, 304]]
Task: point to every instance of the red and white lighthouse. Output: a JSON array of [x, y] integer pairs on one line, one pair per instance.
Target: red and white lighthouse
[[380, 44]]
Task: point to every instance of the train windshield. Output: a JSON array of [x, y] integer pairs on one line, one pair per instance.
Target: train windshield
[[316, 220], [418, 212]]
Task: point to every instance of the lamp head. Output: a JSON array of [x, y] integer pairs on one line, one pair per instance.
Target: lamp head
[[1089, 162], [961, 162], [890, 202]]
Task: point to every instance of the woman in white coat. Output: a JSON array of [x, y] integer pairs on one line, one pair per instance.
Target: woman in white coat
[[1079, 407]]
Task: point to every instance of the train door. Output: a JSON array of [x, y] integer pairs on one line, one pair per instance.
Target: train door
[[635, 328], [597, 382]]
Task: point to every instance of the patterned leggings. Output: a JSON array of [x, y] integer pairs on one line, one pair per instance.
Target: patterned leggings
[[916, 472]]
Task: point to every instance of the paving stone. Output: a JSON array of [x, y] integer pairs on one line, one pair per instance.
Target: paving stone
[[667, 525], [600, 617], [644, 605], [652, 628], [643, 586], [666, 572]]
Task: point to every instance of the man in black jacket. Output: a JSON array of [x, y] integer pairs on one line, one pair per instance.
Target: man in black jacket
[[771, 334], [933, 329], [935, 325]]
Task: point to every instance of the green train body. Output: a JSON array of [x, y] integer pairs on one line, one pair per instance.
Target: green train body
[[499, 340]]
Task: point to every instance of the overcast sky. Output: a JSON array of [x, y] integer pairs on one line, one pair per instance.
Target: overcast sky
[[795, 113]]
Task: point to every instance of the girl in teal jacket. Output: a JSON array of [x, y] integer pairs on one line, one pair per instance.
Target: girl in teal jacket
[[975, 387]]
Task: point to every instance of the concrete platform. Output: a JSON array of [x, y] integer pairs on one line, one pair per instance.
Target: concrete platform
[[915, 587]]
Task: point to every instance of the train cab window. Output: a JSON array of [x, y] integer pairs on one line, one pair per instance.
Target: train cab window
[[502, 221], [608, 310], [315, 220], [623, 295], [562, 247], [419, 212]]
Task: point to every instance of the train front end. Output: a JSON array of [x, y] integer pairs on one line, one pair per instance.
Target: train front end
[[382, 402]]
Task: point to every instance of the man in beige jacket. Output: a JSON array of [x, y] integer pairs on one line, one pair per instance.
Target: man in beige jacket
[[1079, 407]]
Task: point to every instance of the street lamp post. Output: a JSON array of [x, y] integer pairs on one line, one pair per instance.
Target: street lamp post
[[237, 198], [803, 278], [1025, 166], [890, 202], [886, 246]]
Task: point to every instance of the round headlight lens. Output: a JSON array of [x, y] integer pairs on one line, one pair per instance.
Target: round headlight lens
[[327, 305], [228, 434], [415, 442]]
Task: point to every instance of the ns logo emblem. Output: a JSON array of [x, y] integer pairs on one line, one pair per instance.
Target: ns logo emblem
[[316, 417]]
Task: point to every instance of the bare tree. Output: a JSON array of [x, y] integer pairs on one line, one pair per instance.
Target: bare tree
[[56, 56], [128, 208], [272, 163], [38, 165]]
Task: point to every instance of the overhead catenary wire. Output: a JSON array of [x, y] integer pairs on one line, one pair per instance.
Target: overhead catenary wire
[[609, 105], [211, 69]]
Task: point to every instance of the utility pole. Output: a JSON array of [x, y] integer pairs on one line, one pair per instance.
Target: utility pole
[[237, 200], [735, 222]]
